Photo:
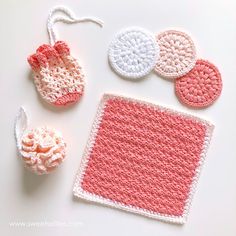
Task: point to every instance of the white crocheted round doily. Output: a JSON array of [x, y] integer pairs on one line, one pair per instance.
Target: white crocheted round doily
[[133, 53]]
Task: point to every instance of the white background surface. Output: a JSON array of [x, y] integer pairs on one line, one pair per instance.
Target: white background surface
[[28, 198]]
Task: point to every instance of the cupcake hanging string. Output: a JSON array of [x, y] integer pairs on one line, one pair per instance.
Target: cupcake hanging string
[[41, 149], [58, 76]]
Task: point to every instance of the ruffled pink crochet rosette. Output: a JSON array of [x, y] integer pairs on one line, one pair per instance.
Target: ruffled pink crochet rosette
[[42, 150]]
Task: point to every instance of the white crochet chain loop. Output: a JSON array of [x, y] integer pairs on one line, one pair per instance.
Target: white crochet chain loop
[[133, 53], [21, 124], [69, 18]]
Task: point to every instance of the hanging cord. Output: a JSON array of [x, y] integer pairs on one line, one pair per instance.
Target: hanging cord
[[21, 124], [69, 18]]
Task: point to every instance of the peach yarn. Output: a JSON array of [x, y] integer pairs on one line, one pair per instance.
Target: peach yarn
[[143, 158], [42, 150], [201, 86], [177, 54], [57, 75]]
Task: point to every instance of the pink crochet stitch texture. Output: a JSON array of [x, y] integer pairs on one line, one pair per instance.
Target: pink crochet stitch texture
[[201, 86], [143, 158], [57, 75]]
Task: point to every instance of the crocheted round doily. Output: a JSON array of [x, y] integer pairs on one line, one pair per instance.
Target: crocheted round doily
[[201, 86], [133, 53], [177, 54]]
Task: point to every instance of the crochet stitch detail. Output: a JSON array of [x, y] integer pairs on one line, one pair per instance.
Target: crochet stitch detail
[[133, 53], [201, 86], [177, 54], [42, 150], [143, 158], [57, 75]]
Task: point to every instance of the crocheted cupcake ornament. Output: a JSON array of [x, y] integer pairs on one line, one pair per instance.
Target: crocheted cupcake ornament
[[41, 149]]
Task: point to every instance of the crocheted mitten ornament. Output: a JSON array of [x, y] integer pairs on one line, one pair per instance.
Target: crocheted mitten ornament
[[57, 75], [42, 149]]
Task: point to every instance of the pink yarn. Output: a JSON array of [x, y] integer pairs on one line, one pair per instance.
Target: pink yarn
[[201, 86], [143, 157]]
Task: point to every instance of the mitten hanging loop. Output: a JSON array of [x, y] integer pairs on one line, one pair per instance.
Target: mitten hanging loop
[[69, 18]]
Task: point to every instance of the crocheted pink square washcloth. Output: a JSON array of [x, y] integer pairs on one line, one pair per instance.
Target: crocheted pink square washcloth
[[143, 158]]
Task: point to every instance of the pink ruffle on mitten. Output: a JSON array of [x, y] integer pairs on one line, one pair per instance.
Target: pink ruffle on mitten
[[57, 75]]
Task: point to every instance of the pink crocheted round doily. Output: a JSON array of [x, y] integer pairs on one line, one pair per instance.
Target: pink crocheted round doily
[[201, 86], [177, 54]]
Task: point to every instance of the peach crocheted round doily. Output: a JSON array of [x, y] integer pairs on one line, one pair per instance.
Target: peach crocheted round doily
[[177, 54]]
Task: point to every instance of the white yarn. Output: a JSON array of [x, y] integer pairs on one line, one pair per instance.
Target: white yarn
[[133, 53], [21, 124], [69, 18]]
